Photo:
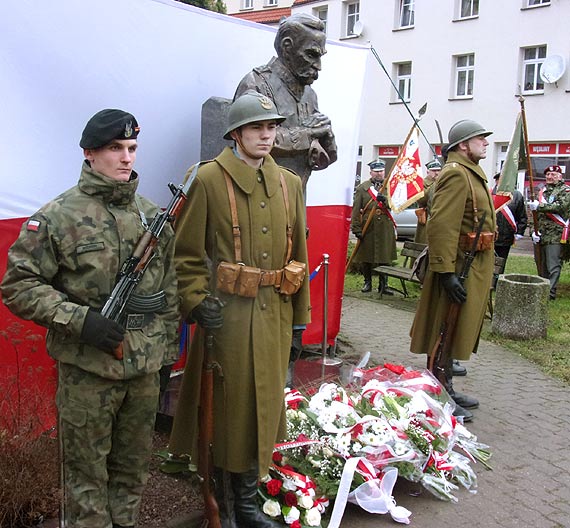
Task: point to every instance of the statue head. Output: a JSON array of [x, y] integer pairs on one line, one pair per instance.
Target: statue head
[[300, 44]]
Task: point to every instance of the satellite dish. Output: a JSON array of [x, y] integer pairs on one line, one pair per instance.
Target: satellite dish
[[358, 28], [552, 68]]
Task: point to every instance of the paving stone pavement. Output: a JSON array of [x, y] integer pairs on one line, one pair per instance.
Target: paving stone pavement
[[524, 416]]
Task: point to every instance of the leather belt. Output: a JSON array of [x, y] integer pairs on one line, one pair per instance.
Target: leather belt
[[271, 277]]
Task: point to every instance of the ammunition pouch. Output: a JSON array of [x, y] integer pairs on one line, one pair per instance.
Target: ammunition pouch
[[245, 281], [293, 276], [486, 241], [421, 215]]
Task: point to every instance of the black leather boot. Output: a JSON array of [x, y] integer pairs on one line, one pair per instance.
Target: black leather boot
[[246, 507], [457, 369], [224, 497], [445, 380], [463, 400], [383, 287], [367, 274]]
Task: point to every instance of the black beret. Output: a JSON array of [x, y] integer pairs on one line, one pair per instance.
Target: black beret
[[107, 125]]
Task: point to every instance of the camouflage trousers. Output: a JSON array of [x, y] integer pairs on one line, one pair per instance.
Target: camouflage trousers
[[106, 427]]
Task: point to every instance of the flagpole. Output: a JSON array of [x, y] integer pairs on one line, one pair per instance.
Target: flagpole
[[537, 252], [416, 121]]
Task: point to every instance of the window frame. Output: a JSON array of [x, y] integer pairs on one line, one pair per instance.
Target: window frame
[[348, 23], [536, 63], [410, 4], [246, 5], [317, 11], [405, 79], [541, 3], [271, 3], [469, 79], [473, 6]]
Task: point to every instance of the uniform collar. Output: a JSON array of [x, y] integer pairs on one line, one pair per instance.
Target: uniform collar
[[109, 190], [245, 177], [454, 157]]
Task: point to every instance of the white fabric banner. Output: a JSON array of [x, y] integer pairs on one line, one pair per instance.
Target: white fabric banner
[[63, 60]]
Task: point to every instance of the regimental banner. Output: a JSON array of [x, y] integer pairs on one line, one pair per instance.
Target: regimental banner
[[406, 180]]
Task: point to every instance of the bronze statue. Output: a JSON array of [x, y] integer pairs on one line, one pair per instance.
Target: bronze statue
[[305, 140]]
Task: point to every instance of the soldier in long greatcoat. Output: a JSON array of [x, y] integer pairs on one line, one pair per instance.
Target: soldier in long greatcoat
[[378, 243], [461, 196], [252, 335]]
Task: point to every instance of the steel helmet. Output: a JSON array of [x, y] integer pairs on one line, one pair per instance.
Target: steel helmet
[[464, 130], [251, 107]]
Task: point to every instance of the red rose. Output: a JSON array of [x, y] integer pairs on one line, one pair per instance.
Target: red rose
[[277, 457], [274, 487], [290, 499], [295, 524]]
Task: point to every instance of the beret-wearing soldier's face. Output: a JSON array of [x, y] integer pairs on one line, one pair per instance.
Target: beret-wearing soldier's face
[[552, 177], [114, 160], [302, 54]]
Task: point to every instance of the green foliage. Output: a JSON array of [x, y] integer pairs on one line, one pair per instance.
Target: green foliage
[[211, 5]]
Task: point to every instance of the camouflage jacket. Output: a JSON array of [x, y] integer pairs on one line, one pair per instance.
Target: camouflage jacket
[[66, 259], [555, 200]]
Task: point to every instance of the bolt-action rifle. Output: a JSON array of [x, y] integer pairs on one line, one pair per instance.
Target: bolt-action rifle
[[123, 297], [441, 353]]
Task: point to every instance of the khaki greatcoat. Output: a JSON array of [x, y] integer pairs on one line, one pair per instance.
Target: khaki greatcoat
[[379, 243], [253, 346], [452, 216]]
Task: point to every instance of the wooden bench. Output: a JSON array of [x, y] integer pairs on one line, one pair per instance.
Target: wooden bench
[[410, 251]]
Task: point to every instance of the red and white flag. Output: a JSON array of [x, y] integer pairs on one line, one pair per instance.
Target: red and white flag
[[406, 180]]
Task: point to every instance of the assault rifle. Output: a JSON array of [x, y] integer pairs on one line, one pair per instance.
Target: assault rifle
[[123, 298], [441, 353]]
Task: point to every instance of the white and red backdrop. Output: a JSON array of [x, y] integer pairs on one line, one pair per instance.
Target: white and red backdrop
[[63, 60]]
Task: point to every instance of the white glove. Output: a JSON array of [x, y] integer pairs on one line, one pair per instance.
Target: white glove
[[533, 205], [535, 237], [518, 237]]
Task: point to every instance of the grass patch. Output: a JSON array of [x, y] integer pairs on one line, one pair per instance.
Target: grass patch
[[552, 354]]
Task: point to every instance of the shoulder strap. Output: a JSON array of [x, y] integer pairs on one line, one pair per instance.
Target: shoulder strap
[[235, 221], [289, 227], [236, 231]]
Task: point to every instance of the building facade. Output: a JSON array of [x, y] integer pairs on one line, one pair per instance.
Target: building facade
[[465, 58]]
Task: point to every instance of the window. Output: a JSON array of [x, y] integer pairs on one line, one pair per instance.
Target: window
[[322, 14], [247, 4], [532, 61], [271, 3], [404, 80], [406, 13], [534, 3], [468, 8], [464, 74], [352, 16]]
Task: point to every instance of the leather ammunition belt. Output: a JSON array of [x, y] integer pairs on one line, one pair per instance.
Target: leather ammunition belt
[[485, 243], [271, 277]]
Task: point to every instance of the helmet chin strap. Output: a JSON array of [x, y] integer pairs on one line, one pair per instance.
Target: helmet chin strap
[[236, 136]]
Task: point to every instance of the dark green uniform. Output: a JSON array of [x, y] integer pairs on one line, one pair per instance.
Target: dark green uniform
[[425, 203], [66, 260], [452, 216], [253, 345], [379, 243]]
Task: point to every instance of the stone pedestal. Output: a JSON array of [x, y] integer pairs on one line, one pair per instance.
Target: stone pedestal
[[521, 307]]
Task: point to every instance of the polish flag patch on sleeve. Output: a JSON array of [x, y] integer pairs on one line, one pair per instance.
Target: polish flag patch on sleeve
[[33, 225]]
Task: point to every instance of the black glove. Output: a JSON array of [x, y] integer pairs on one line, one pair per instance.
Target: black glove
[[101, 332], [208, 314], [454, 289], [296, 344], [381, 199]]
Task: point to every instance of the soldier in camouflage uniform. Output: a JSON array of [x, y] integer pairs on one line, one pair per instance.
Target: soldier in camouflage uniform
[[552, 206], [60, 272]]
